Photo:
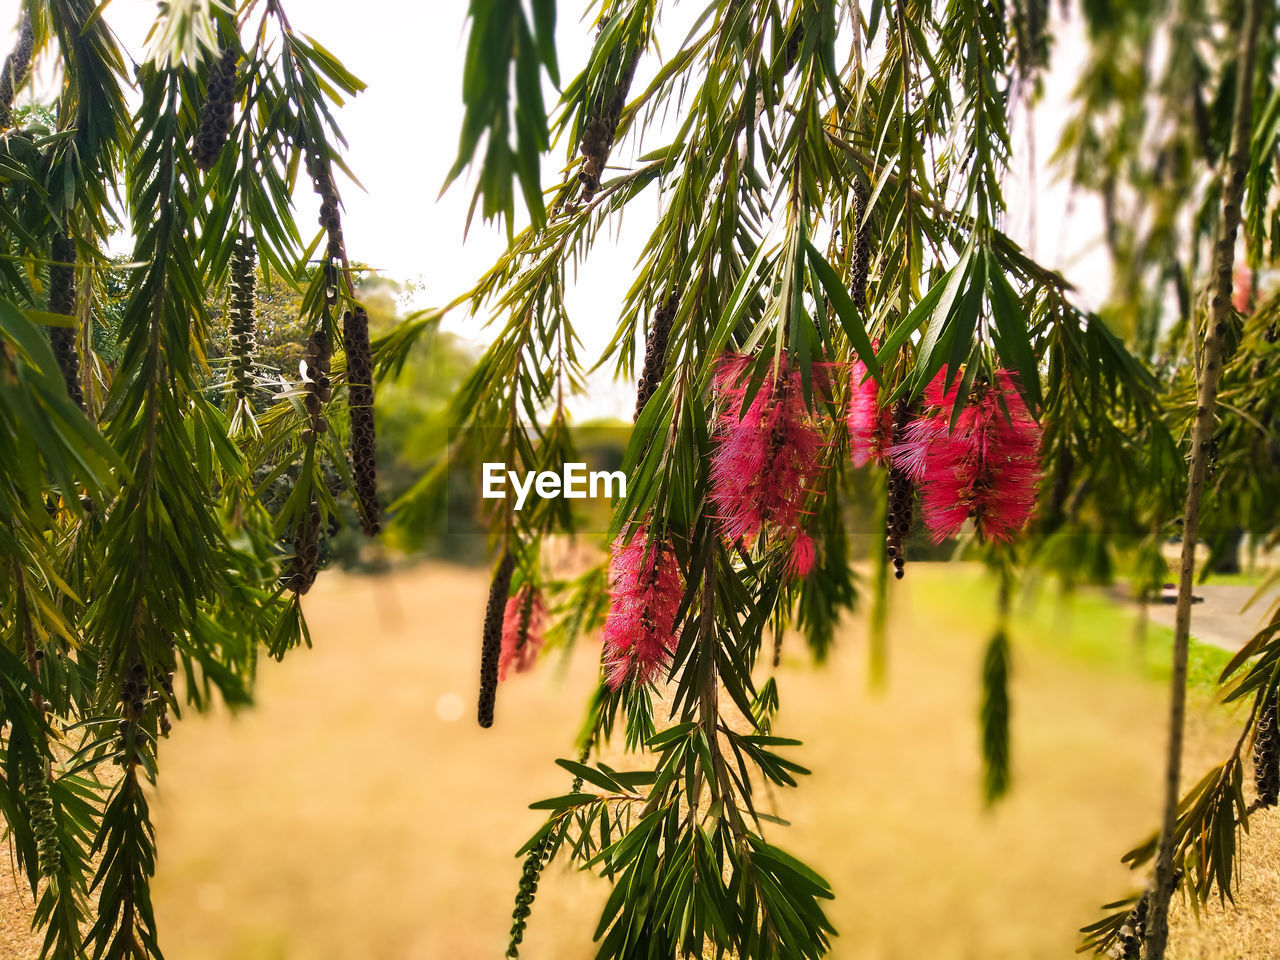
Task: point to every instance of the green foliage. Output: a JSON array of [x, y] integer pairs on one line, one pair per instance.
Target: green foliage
[[141, 544]]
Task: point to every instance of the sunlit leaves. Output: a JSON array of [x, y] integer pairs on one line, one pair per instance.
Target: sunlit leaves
[[508, 49]]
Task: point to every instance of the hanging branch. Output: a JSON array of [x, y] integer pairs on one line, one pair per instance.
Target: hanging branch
[[13, 74], [1234, 170]]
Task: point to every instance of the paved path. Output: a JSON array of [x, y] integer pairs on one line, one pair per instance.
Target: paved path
[[1222, 619]]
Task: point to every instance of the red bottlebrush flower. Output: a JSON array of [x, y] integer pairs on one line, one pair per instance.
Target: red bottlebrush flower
[[870, 424], [985, 467], [639, 630], [523, 623], [800, 562], [767, 455], [1242, 289]]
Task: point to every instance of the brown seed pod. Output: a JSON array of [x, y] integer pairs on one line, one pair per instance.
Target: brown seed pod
[[1129, 939], [499, 590], [901, 499], [316, 356], [16, 67], [655, 350], [355, 339], [62, 299], [215, 115], [598, 135], [861, 246], [330, 215], [1266, 753], [301, 572]]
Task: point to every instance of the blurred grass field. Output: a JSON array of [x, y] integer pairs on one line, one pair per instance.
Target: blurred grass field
[[358, 813]]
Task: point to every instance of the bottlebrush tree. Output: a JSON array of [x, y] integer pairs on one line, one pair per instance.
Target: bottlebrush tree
[[145, 555], [828, 285]]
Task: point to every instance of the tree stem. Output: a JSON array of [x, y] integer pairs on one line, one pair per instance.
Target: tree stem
[[1235, 168]]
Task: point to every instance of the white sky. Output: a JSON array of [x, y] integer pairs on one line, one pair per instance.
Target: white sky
[[403, 133]]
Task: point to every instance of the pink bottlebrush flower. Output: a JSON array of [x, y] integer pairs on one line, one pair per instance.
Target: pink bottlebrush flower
[[767, 455], [920, 437], [985, 467], [870, 423], [521, 651], [1242, 289], [800, 562], [639, 630]]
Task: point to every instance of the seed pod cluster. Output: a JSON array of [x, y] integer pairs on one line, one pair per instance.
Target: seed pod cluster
[[134, 694], [901, 498], [240, 315], [16, 66], [302, 569], [301, 572], [597, 138], [319, 389], [1266, 753], [499, 591], [215, 115], [330, 213], [163, 705], [655, 350], [35, 784], [364, 460], [62, 299], [529, 877], [861, 245], [1128, 945]]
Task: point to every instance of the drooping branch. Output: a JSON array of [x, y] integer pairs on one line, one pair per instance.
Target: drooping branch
[[1234, 171]]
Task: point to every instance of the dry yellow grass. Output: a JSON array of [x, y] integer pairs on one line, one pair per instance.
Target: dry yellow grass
[[344, 818]]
